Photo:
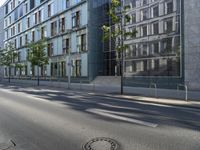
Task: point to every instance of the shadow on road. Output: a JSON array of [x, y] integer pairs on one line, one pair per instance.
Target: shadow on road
[[84, 101]]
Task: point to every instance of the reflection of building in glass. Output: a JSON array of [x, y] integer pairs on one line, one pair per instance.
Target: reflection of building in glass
[[156, 49]]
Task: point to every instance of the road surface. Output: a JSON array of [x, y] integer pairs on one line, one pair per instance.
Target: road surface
[[47, 119]]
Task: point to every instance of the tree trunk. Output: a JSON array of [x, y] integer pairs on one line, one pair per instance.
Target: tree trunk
[[9, 74], [38, 77]]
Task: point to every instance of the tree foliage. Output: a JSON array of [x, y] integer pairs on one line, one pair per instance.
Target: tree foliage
[[119, 17], [19, 65], [37, 54], [8, 55]]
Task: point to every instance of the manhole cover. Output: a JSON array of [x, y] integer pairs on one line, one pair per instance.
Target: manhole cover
[[101, 143], [7, 145]]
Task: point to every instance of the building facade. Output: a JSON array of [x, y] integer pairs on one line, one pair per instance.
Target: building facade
[[156, 49], [1, 27], [164, 52], [192, 43], [72, 28], [1, 37], [156, 52]]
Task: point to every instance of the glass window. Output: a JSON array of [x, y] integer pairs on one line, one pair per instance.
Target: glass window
[[26, 7], [169, 26], [78, 68], [16, 14], [6, 8], [32, 4], [62, 25], [144, 14], [54, 28], [76, 19], [66, 45], [144, 30], [28, 22], [50, 49], [43, 32], [169, 6], [21, 11], [155, 11], [50, 10], [33, 36], [67, 3], [155, 28]]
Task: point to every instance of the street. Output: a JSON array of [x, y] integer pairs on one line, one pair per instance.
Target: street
[[47, 119]]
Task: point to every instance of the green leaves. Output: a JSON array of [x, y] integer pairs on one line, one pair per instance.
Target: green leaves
[[106, 31], [131, 34], [115, 3], [127, 18], [19, 65], [117, 31], [36, 53], [8, 55]]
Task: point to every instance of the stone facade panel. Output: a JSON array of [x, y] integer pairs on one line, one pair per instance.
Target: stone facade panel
[[192, 43]]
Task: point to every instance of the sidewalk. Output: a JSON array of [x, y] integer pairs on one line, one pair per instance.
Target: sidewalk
[[161, 101], [143, 95], [149, 92]]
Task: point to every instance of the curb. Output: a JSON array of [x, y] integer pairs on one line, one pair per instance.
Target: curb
[[96, 93], [151, 102]]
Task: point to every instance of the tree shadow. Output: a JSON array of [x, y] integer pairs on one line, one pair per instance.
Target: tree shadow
[[104, 107]]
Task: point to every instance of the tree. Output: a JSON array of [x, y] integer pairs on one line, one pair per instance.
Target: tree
[[117, 31], [20, 67], [8, 56], [37, 55]]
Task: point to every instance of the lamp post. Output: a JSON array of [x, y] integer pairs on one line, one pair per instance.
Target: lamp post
[[122, 48], [69, 70], [38, 76], [31, 74], [118, 15]]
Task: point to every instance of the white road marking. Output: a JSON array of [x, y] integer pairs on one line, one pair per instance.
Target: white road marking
[[124, 107], [40, 98], [108, 114]]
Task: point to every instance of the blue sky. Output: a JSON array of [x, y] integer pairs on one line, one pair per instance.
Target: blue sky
[[2, 2]]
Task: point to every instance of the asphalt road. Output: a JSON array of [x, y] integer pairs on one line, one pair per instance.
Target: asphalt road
[[44, 119]]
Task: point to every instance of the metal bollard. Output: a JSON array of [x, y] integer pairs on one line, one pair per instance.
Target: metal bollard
[[186, 90], [94, 86], [80, 85], [155, 89]]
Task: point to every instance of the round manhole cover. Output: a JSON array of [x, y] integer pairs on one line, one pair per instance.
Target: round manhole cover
[[101, 143]]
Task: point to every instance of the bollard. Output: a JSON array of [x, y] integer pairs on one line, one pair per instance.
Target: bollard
[[93, 86], [155, 91], [186, 90], [80, 85]]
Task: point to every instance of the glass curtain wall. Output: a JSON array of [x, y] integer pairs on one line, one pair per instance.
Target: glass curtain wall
[[156, 50]]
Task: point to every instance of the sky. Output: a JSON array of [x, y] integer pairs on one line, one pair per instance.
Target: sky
[[2, 2]]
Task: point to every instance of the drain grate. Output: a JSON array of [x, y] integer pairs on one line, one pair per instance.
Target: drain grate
[[7, 145], [101, 143]]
